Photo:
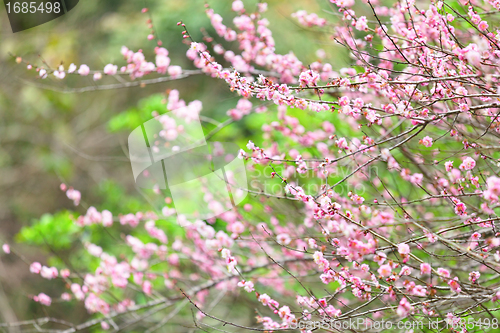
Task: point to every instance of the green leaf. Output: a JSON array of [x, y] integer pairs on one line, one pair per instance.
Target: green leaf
[[58, 231], [133, 117]]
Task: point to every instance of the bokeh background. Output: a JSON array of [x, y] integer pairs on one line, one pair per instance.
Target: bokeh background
[[49, 136]]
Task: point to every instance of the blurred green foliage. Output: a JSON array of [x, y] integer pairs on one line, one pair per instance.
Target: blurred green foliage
[[58, 230], [135, 116]]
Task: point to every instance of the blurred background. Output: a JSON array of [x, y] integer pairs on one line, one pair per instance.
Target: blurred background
[[49, 136]]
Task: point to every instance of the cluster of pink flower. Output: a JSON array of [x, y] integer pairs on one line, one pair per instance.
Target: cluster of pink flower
[[430, 86], [72, 194], [309, 20]]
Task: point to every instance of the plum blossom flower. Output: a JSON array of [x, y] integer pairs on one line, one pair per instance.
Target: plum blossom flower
[[74, 195], [475, 236], [237, 6], [473, 55], [385, 270], [130, 219], [110, 69], [403, 248], [343, 3], [65, 273], [76, 289], [332, 312], [455, 285], [84, 70], [247, 285], [225, 253], [405, 270], [42, 73], [284, 311], [443, 272], [308, 78], [474, 276], [49, 273], [264, 299], [361, 23], [283, 239], [94, 250], [482, 26], [94, 304], [107, 218], [416, 178], [385, 154], [147, 287], [461, 91], [59, 74], [262, 7], [309, 20], [320, 260], [425, 268], [162, 63], [426, 141], [174, 71], [43, 299], [460, 209], [35, 267], [342, 143], [430, 236], [448, 165], [155, 232], [379, 257], [493, 189], [344, 101], [404, 308], [468, 164]]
